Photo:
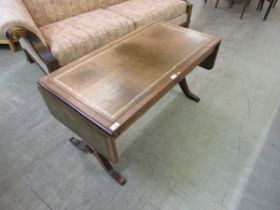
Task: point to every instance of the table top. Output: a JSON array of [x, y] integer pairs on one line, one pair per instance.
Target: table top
[[114, 85]]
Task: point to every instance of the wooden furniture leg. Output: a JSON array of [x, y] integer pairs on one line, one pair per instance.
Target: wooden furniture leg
[[246, 4], [231, 4], [262, 3], [104, 162], [271, 2], [217, 2], [12, 46], [259, 4], [10, 43], [274, 4], [184, 86], [28, 57]]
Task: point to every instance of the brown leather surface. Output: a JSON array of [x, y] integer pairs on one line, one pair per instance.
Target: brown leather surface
[[115, 83]]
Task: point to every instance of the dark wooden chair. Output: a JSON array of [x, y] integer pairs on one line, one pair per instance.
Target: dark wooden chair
[[216, 4], [246, 4], [272, 4]]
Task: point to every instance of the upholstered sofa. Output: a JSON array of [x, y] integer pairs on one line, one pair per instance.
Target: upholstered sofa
[[56, 32]]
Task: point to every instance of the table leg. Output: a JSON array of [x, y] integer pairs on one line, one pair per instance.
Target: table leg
[[184, 86], [259, 5], [103, 161]]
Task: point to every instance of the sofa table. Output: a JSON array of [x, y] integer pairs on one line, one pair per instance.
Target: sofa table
[[102, 94]]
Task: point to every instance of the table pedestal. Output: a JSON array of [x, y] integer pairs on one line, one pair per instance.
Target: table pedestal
[[103, 161]]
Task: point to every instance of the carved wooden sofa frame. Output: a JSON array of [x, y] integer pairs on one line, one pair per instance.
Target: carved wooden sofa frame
[[43, 52]]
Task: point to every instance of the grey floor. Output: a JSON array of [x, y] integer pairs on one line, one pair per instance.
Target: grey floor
[[263, 188], [222, 153]]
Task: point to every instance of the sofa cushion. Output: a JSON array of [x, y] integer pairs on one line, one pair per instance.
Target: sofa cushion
[[49, 11], [74, 37], [142, 12]]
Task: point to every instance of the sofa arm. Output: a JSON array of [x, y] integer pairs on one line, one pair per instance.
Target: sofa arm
[[40, 51], [17, 23], [15, 18], [189, 12]]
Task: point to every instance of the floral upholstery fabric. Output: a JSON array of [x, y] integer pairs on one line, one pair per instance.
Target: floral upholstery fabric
[[45, 12], [142, 12], [14, 13], [74, 37]]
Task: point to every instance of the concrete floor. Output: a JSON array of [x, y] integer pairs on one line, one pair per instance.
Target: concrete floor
[[222, 153], [263, 188]]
